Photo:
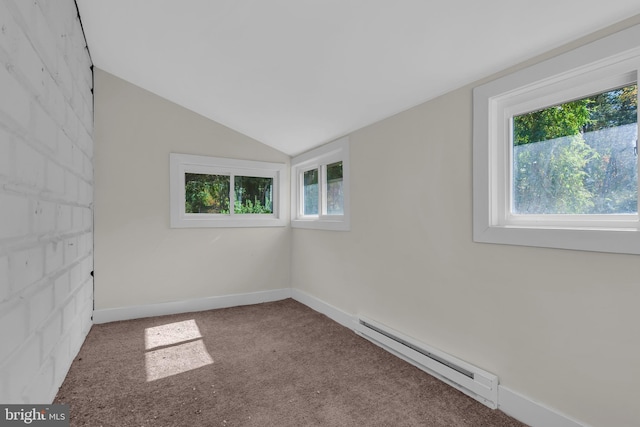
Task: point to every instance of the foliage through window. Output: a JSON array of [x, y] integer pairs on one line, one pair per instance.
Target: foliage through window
[[211, 194], [579, 157], [216, 192], [206, 193], [253, 195]]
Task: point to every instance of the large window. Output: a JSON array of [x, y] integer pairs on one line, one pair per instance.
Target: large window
[[579, 157], [556, 152], [217, 192], [320, 188]]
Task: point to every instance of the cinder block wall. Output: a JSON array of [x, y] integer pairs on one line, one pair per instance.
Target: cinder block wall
[[46, 196]]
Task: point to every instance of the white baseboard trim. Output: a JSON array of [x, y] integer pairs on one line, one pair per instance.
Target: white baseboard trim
[[320, 306], [511, 403], [530, 412], [200, 304]]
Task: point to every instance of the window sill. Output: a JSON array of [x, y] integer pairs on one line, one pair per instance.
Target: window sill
[[314, 224], [619, 240], [208, 222]]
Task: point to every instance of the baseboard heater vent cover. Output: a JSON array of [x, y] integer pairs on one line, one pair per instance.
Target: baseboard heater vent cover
[[473, 381]]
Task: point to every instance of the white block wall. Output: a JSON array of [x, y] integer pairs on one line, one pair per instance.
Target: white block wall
[[46, 196]]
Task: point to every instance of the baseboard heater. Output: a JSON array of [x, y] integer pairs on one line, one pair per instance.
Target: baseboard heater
[[476, 383]]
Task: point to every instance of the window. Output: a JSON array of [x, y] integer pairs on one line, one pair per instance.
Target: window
[[579, 157], [555, 151], [218, 192], [320, 188]]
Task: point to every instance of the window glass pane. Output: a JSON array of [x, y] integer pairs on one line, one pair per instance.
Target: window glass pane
[[310, 192], [579, 157], [254, 195], [206, 193], [335, 197]]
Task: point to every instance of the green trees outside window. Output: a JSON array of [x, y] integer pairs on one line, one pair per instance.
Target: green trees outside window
[[206, 193], [211, 194], [253, 195], [579, 157]]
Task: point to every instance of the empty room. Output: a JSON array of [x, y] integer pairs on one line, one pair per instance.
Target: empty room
[[323, 213]]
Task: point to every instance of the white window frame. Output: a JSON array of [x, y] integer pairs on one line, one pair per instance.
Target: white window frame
[[319, 158], [608, 63], [180, 164]]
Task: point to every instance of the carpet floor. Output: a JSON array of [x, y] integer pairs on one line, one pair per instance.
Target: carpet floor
[[272, 364]]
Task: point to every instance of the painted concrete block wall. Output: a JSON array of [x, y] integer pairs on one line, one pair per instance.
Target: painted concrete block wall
[[46, 194], [558, 327], [139, 259]]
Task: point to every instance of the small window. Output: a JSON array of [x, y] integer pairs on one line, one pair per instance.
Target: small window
[[320, 188], [218, 192], [556, 151]]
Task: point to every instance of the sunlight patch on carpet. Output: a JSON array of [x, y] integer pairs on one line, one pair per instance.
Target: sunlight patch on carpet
[[174, 348], [170, 334]]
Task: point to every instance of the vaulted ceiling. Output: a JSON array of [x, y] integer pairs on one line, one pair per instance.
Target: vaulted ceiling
[[294, 74]]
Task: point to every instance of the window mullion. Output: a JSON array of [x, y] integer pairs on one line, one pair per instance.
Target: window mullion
[[637, 148], [232, 194], [322, 187], [509, 174], [301, 193]]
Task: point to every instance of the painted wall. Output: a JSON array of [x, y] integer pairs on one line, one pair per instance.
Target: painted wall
[[559, 327], [139, 260], [46, 194]]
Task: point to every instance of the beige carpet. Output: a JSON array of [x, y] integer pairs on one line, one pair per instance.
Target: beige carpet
[[273, 364]]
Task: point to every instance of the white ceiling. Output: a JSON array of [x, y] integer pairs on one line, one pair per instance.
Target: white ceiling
[[294, 74]]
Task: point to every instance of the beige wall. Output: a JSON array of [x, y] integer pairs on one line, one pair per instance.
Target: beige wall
[[559, 327], [138, 259]]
